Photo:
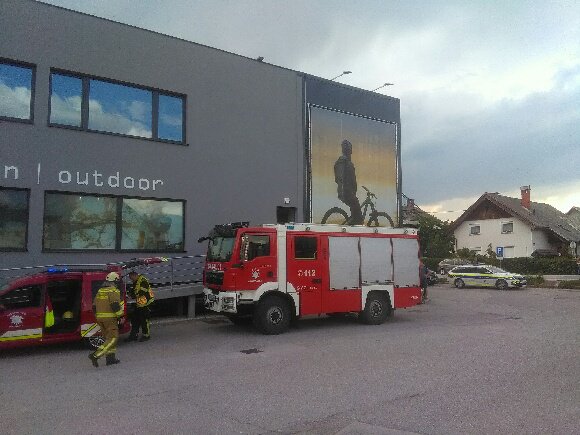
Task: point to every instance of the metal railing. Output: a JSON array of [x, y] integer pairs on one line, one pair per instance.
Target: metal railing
[[180, 275]]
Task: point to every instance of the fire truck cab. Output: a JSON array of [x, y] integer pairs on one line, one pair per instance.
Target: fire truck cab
[[275, 273]]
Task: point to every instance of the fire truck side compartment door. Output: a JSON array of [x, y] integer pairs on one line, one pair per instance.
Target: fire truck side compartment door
[[406, 259], [344, 292], [376, 260], [344, 263]]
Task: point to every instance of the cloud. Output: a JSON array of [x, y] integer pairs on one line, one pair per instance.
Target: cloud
[[101, 120], [66, 111], [14, 102], [489, 91], [497, 147]]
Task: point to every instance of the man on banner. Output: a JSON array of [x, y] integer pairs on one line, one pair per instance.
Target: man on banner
[[345, 178]]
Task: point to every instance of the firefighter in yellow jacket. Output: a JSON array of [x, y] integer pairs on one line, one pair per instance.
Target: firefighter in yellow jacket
[[143, 299], [108, 308]]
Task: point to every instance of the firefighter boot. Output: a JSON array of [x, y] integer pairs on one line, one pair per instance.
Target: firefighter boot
[[94, 359], [111, 359]]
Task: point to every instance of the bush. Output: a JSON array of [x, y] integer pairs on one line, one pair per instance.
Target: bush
[[535, 280], [523, 265], [574, 284], [540, 266]]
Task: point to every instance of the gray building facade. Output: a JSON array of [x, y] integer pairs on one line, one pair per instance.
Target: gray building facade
[[118, 142]]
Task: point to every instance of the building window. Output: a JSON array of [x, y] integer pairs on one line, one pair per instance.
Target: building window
[[509, 252], [74, 221], [16, 91], [66, 100], [507, 227], [474, 230], [13, 219], [170, 119], [106, 106], [152, 225]]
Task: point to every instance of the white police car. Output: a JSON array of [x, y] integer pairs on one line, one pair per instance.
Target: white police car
[[485, 276]]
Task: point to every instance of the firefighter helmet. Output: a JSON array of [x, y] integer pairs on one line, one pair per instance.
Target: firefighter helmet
[[112, 277], [68, 315]]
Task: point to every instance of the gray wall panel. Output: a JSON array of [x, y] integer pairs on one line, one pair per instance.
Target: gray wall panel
[[244, 125]]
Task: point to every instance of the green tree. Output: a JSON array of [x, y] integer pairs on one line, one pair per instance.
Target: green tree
[[436, 237]]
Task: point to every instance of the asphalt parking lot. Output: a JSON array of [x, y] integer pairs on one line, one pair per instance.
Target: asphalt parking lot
[[471, 361]]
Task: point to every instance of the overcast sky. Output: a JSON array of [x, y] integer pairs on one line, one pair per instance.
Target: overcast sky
[[489, 90]]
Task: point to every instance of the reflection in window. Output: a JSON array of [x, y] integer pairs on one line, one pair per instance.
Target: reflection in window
[[474, 230], [119, 109], [65, 100], [15, 91], [92, 104], [152, 225], [79, 222], [13, 219], [170, 118]]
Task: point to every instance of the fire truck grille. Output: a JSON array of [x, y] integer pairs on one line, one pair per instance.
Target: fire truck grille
[[213, 277]]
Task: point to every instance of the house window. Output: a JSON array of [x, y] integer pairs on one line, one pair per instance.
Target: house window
[[95, 222], [507, 227], [508, 252], [106, 106], [16, 91], [13, 219], [474, 230]]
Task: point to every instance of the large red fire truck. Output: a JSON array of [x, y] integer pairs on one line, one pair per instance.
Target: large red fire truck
[[276, 273], [63, 293]]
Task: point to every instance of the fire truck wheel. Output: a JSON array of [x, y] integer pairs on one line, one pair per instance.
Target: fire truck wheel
[[94, 342], [377, 309], [272, 315]]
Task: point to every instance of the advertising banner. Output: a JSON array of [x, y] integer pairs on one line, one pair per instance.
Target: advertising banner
[[353, 164]]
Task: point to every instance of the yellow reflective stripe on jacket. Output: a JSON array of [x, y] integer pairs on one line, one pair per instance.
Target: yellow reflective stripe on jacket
[[107, 315]]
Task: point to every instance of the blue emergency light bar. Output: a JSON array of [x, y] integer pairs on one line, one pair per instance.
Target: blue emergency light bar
[[57, 270]]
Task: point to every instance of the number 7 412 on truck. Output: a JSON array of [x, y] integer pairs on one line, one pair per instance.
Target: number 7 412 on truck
[[273, 274]]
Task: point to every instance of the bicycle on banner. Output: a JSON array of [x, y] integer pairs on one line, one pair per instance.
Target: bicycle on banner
[[337, 215]]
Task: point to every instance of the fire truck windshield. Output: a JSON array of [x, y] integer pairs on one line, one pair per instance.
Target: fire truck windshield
[[220, 249]]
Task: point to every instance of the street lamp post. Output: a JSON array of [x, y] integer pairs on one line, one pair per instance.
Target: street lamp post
[[341, 74], [382, 86]]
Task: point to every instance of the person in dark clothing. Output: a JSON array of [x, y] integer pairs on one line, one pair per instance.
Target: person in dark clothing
[[345, 178], [424, 283], [143, 296]]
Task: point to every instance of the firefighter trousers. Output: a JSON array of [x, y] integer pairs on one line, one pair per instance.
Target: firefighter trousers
[[110, 331], [140, 320]]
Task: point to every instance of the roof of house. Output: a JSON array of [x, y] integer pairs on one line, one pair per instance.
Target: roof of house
[[539, 215]]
